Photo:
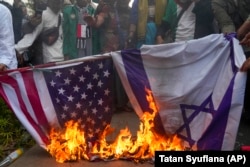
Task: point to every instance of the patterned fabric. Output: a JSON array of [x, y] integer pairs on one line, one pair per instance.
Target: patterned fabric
[[140, 12], [144, 25], [109, 39]]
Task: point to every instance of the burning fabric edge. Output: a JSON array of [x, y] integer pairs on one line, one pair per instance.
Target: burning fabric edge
[[70, 144], [221, 99]]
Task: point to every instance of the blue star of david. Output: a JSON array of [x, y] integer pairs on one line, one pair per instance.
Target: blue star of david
[[207, 107]]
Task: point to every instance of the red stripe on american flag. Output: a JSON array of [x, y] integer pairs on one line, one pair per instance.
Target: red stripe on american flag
[[4, 97], [13, 83], [34, 99], [23, 69]]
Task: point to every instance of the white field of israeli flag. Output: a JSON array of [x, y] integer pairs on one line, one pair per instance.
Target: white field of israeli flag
[[196, 85]]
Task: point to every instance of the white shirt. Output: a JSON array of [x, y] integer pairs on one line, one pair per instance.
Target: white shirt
[[51, 53], [186, 25], [7, 43]]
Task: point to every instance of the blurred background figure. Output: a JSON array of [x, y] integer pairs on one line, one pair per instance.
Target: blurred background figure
[[106, 23], [233, 17], [34, 54], [77, 33], [111, 22], [145, 17], [122, 16], [19, 14], [51, 17], [185, 20]]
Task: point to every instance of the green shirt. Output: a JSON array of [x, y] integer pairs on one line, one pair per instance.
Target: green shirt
[[70, 21]]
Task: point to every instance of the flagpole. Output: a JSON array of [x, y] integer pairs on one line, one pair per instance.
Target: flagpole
[[77, 60], [87, 58]]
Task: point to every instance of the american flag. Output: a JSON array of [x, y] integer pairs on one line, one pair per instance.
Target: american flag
[[48, 97]]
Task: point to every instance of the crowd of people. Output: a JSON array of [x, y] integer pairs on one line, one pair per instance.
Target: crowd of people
[[84, 28]]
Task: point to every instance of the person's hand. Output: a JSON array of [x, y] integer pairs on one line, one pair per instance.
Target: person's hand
[[66, 57], [243, 30], [129, 43], [245, 66], [3, 67], [36, 20], [20, 59], [159, 40], [90, 20], [246, 40]]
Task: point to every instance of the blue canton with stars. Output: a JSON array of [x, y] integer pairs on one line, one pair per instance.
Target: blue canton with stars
[[83, 93]]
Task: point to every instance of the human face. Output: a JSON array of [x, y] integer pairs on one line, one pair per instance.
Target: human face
[[82, 3], [55, 5], [110, 2]]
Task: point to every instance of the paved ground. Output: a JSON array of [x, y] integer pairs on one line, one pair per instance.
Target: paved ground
[[37, 157], [243, 137]]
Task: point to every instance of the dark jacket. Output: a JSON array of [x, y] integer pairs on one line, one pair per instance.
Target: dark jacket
[[204, 23], [204, 19], [230, 16]]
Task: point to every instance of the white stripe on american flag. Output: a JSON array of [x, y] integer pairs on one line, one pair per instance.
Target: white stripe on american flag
[[18, 77], [46, 101], [15, 99]]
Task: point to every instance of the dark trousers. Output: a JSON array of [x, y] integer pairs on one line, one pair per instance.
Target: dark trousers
[[247, 94], [247, 91]]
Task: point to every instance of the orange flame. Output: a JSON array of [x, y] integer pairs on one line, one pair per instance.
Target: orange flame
[[71, 145]]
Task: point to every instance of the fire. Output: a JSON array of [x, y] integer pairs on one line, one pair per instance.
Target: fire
[[70, 145]]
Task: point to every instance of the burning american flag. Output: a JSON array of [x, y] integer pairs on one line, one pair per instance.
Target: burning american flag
[[48, 97]]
